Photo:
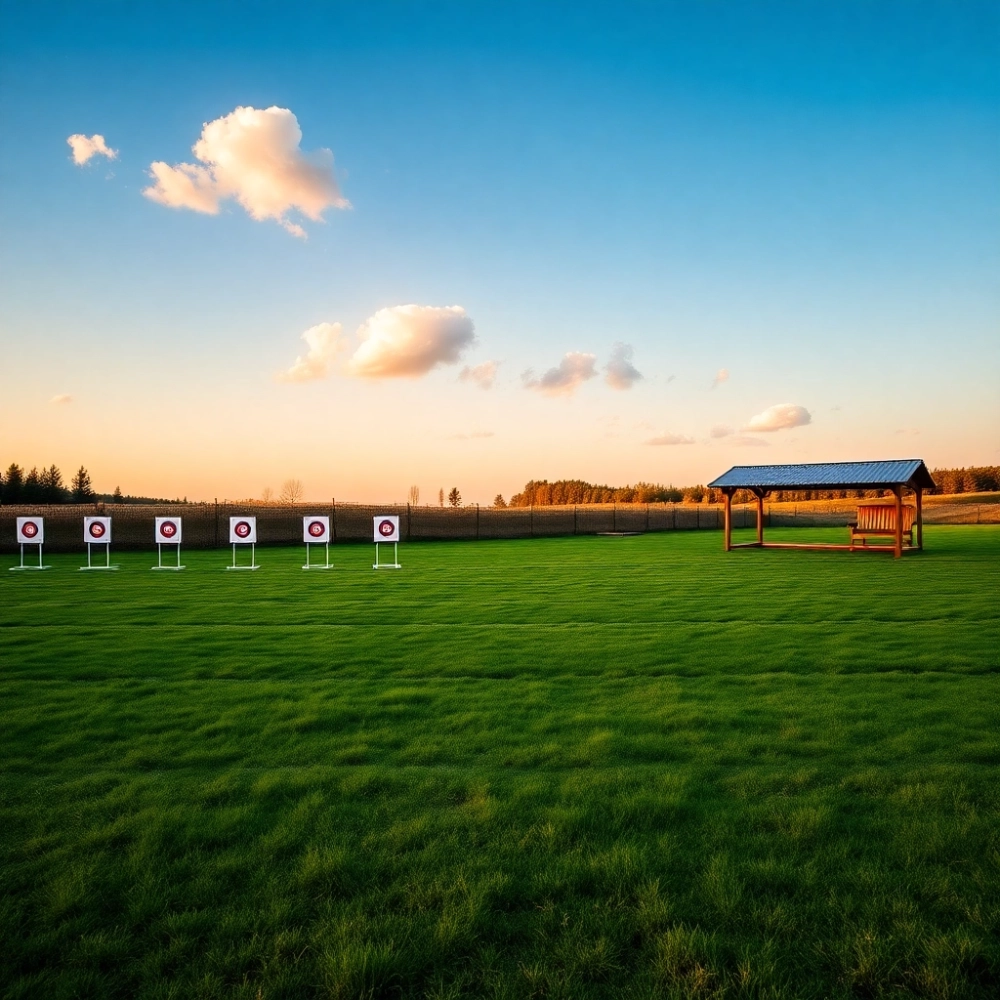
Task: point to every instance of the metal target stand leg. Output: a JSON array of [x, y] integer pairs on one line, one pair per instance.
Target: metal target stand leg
[[253, 558], [28, 566], [312, 565], [395, 558], [159, 559], [107, 558]]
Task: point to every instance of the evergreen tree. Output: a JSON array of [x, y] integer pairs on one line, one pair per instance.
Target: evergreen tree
[[498, 501], [53, 490], [83, 489], [117, 497], [12, 481], [441, 497], [31, 491], [454, 497]]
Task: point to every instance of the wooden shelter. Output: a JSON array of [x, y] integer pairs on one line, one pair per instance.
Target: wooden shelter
[[895, 476]]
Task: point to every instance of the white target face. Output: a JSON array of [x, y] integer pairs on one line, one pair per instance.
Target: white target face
[[30, 530], [168, 530], [387, 528], [97, 529], [242, 529], [316, 529]]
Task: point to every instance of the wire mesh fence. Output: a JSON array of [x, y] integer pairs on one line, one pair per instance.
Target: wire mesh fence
[[206, 526]]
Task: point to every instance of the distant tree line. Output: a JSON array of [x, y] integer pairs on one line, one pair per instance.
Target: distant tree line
[[542, 493], [46, 486]]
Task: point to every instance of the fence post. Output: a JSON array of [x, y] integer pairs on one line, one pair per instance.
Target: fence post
[[531, 520], [216, 522], [477, 522], [408, 521], [574, 519], [333, 511], [614, 517], [697, 517], [673, 516], [647, 517]]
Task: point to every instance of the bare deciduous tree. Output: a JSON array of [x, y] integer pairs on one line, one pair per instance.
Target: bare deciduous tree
[[291, 491], [268, 495], [413, 497]]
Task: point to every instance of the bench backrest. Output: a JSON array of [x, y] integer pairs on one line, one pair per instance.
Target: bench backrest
[[882, 517]]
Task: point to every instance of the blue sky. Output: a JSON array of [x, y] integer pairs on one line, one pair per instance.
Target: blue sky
[[805, 197]]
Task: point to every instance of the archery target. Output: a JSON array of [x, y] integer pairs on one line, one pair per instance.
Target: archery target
[[316, 529], [242, 529], [97, 529], [386, 528], [30, 530], [168, 530]]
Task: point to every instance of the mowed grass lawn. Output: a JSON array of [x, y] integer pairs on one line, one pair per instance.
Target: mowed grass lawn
[[580, 767]]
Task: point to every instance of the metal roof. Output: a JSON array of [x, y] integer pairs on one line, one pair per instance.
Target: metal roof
[[828, 475]]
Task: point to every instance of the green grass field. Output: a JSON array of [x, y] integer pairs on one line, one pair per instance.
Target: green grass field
[[578, 768]]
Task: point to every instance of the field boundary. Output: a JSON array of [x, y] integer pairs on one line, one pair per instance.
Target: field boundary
[[206, 525]]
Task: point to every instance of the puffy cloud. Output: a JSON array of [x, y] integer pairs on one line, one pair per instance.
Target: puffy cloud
[[669, 439], [721, 431], [722, 375], [61, 400], [408, 341], [253, 156], [779, 417], [620, 373], [482, 375], [563, 380], [324, 341], [84, 147]]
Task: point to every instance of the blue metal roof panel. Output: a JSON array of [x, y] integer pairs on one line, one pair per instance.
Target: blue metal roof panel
[[828, 475]]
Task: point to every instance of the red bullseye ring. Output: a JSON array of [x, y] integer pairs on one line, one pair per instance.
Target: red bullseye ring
[[386, 528], [317, 529], [97, 529], [168, 529], [242, 529], [30, 529]]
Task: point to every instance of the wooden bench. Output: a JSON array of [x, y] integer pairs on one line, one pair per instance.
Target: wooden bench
[[880, 519]]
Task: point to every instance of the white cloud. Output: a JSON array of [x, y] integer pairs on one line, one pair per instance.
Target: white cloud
[[482, 375], [722, 375], [721, 431], [779, 417], [85, 147], [620, 372], [563, 380], [408, 341], [324, 341], [61, 399], [253, 156], [669, 439]]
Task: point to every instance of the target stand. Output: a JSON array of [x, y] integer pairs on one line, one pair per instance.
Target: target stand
[[311, 565], [378, 564], [25, 565], [107, 558], [253, 558], [159, 557]]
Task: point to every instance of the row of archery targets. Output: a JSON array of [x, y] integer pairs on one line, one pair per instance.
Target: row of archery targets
[[169, 531]]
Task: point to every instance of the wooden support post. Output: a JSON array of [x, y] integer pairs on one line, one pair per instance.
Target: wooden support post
[[760, 518], [898, 493], [728, 520], [920, 518]]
